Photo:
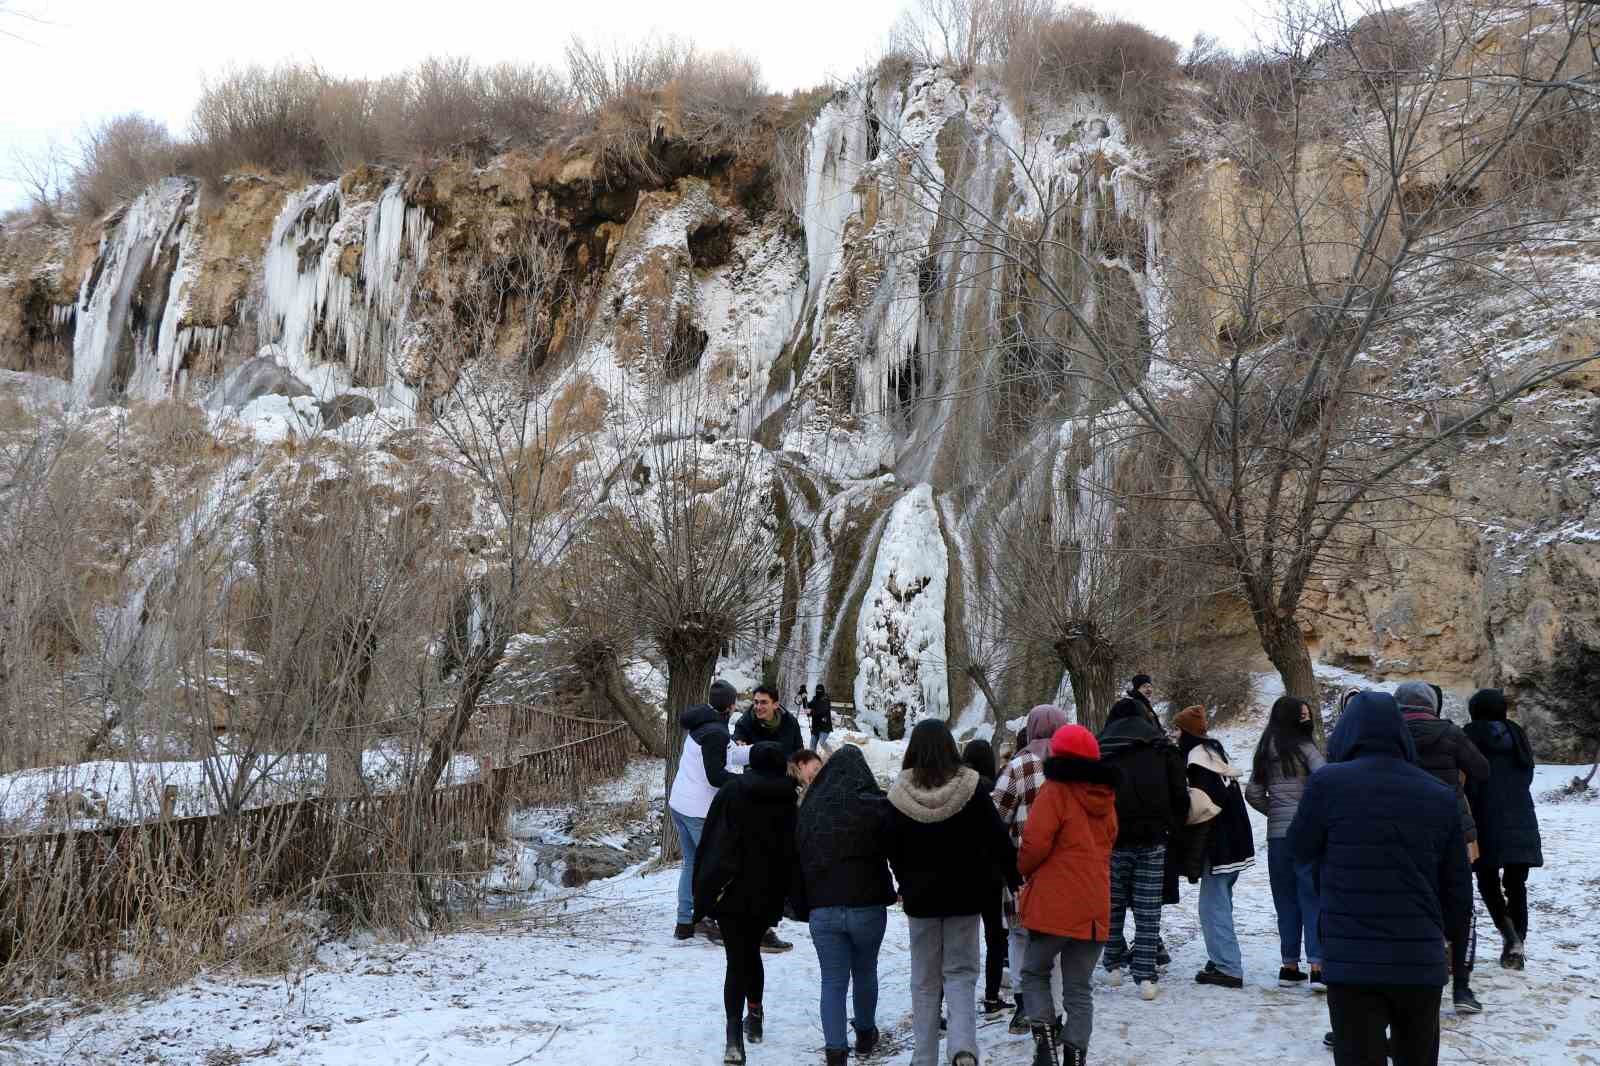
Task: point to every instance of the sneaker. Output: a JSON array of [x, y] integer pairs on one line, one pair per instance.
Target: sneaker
[[1466, 1002], [683, 931], [1147, 990], [1327, 1040], [1290, 976], [708, 929], [1114, 978], [772, 945], [993, 1005], [1019, 1022], [752, 1024], [1317, 983], [1216, 977], [866, 1042]]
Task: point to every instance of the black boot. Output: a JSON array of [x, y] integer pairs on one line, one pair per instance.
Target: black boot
[[752, 1024], [1044, 1046], [1073, 1056], [1019, 1020], [734, 1055], [866, 1042], [836, 1056], [683, 931]]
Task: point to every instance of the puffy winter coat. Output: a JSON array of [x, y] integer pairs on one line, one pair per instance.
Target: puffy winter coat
[[1386, 842], [1066, 851], [1152, 793], [821, 708], [1445, 752], [843, 854], [947, 845], [1230, 845], [704, 766], [1502, 807], [744, 865], [1278, 796], [785, 732]]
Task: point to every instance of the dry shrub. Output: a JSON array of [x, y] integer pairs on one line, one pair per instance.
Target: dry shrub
[[1240, 86], [1076, 50], [174, 431], [264, 116], [117, 159], [1217, 678]]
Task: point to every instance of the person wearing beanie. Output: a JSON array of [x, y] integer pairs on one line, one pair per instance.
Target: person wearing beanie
[[1509, 844], [1143, 691], [1066, 902], [743, 873], [1444, 751], [1015, 791], [945, 843], [1386, 841], [702, 770], [1230, 847], [1152, 805]]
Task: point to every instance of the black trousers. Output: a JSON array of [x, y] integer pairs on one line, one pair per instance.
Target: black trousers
[[995, 947], [1362, 1013], [745, 980], [1505, 893]]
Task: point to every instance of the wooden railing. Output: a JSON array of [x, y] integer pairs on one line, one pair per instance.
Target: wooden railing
[[110, 874]]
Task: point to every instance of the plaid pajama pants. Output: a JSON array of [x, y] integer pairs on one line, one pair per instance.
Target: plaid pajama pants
[[1136, 882]]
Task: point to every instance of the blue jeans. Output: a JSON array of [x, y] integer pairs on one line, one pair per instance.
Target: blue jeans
[[1295, 898], [689, 830], [1216, 923], [819, 742], [847, 941]]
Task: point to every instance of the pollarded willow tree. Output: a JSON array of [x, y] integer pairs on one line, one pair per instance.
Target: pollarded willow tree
[[1380, 154]]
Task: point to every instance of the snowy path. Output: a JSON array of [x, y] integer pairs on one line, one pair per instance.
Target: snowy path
[[608, 985]]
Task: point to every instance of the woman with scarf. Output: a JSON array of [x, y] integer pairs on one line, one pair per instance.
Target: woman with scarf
[[844, 890], [1230, 846]]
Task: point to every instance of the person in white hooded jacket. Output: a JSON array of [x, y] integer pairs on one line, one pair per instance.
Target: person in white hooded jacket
[[702, 769]]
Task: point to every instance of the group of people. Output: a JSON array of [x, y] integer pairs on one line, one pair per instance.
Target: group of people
[[1369, 848]]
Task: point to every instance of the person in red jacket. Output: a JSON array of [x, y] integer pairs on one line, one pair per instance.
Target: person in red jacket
[[1066, 902]]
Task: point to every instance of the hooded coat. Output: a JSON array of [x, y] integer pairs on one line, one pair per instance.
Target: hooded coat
[[1445, 752], [840, 836], [1152, 793], [947, 846], [1502, 806], [1066, 851], [821, 708], [745, 863], [704, 766], [1386, 842]]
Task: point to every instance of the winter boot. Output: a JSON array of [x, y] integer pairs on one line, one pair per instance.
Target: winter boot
[[1511, 956], [734, 1055], [708, 929], [1147, 990], [866, 1042], [1114, 978], [1019, 1021], [1044, 1046], [683, 931], [752, 1023], [836, 1056], [1057, 1027], [1073, 1056], [772, 945], [993, 1005]]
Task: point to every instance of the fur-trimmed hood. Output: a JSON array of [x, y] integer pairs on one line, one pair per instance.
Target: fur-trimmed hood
[[1085, 771], [929, 806]]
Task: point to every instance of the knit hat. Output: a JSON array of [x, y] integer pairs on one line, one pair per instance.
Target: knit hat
[[1487, 705], [1192, 720], [1139, 679], [723, 695], [1074, 742], [1416, 696]]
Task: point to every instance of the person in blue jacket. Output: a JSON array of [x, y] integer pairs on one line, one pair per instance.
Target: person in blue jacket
[[1386, 842]]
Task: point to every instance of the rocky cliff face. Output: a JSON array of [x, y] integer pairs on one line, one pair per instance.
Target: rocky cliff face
[[826, 311]]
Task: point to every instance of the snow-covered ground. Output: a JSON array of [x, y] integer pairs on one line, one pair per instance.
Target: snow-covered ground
[[593, 976]]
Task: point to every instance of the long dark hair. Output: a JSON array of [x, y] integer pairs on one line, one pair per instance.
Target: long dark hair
[[931, 754], [1282, 739], [979, 754]]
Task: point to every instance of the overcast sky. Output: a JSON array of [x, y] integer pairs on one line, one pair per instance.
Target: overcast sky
[[84, 60]]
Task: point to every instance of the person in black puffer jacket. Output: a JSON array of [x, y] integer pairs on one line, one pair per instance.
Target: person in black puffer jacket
[[1444, 751], [821, 708], [946, 842], [743, 872], [1508, 826], [1152, 804], [844, 891]]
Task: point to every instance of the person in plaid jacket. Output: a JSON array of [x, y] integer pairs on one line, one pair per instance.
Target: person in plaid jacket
[[1015, 790]]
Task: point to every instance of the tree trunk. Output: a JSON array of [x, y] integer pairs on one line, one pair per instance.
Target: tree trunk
[[1092, 669], [475, 675], [1285, 646], [689, 674], [980, 677], [600, 668]]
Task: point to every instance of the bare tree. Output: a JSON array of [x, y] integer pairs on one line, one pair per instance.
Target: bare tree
[[1282, 443]]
